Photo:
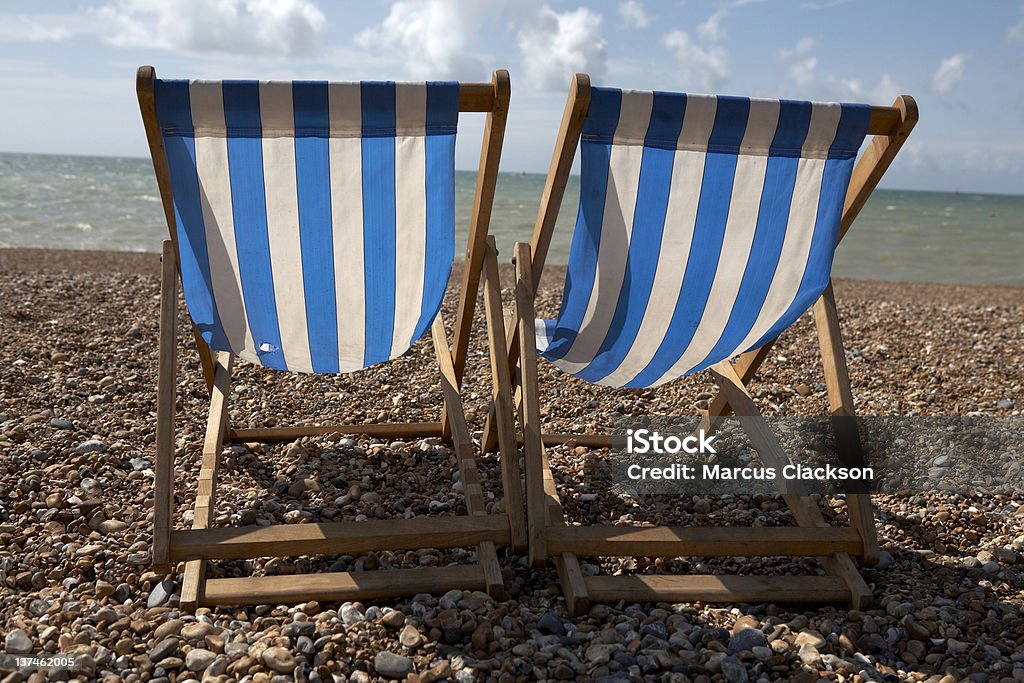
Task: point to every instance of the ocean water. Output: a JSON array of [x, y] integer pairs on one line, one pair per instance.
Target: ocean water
[[108, 203]]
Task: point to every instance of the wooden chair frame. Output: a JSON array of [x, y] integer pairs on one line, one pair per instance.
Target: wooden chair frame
[[551, 537], [476, 528]]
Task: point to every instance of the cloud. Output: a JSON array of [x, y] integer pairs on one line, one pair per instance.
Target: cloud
[[633, 14], [37, 28], [712, 28], [253, 28], [802, 69], [886, 90], [1016, 32], [435, 38], [950, 72], [709, 66], [801, 63], [555, 45]]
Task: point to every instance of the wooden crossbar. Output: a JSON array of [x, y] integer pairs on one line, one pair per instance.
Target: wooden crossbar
[[284, 540], [389, 430], [663, 541], [719, 588], [341, 586]]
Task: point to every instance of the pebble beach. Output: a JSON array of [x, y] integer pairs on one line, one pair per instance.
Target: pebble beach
[[78, 362]]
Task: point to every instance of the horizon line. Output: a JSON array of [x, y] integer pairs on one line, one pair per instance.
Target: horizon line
[[519, 172]]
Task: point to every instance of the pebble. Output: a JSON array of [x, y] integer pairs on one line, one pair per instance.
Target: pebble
[[163, 649], [198, 659], [279, 659], [410, 637], [733, 670], [90, 446], [351, 614], [171, 627], [391, 665], [393, 619], [196, 630], [885, 560], [160, 594], [747, 639], [810, 638], [299, 628], [550, 624], [17, 642]]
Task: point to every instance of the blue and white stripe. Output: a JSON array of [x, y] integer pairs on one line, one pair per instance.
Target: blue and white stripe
[[315, 220], [707, 225]]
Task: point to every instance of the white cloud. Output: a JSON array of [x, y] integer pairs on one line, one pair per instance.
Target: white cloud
[[435, 38], [802, 70], [38, 28], [1016, 32], [886, 90], [712, 28], [633, 14], [555, 45], [708, 66], [950, 72], [801, 63], [254, 28]]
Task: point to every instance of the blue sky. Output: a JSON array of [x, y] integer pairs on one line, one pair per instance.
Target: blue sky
[[67, 68]]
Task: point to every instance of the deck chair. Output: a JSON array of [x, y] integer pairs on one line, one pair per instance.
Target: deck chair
[[706, 227], [312, 228]]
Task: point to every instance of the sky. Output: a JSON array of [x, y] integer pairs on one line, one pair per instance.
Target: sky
[[67, 68]]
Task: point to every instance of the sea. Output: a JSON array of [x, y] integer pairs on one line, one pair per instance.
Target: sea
[[112, 203]]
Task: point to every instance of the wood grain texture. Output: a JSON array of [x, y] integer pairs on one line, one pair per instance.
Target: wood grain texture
[[342, 586], [280, 540], [501, 395], [163, 481]]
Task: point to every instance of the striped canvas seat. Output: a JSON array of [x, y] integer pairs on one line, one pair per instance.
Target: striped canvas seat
[[315, 221], [706, 226]]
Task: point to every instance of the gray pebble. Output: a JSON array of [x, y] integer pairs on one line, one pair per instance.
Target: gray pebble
[[164, 649], [17, 642], [90, 446], [160, 594], [391, 665], [550, 624], [747, 639], [733, 670]]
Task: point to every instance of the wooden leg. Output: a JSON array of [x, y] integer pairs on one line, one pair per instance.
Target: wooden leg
[[746, 366], [840, 398], [804, 509], [574, 587], [502, 398], [530, 410], [489, 440], [487, 554], [192, 584], [483, 202], [163, 485]]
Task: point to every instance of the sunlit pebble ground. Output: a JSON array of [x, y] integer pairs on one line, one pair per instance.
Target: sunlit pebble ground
[[78, 340]]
